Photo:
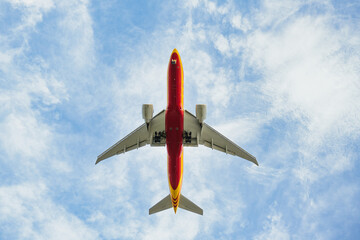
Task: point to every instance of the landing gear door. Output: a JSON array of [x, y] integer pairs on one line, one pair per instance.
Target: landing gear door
[[191, 134], [157, 130]]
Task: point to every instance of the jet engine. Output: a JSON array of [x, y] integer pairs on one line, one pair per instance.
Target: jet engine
[[201, 112], [147, 112]]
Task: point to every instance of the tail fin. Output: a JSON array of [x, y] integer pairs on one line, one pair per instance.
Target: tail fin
[[184, 203], [189, 205], [164, 204]]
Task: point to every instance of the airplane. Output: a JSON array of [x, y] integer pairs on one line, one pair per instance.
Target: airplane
[[175, 128]]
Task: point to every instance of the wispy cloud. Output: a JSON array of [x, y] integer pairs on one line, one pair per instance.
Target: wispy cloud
[[274, 228], [27, 211], [31, 92], [307, 78], [279, 78]]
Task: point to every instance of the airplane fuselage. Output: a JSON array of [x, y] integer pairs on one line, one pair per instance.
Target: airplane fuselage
[[174, 126]]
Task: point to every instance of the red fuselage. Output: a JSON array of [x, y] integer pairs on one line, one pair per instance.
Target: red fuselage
[[174, 126]]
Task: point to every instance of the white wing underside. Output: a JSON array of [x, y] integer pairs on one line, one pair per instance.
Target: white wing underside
[[205, 135], [140, 137], [201, 134]]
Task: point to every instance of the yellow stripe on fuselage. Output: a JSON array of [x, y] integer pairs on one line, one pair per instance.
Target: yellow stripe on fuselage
[[175, 193]]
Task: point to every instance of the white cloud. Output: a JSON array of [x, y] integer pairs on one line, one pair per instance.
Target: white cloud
[[330, 203], [24, 136], [77, 36], [104, 178], [28, 212], [6, 58], [273, 12], [211, 6], [32, 12], [221, 43], [239, 22], [23, 131], [213, 84], [236, 21], [247, 128], [274, 228], [38, 4], [306, 77], [192, 3], [168, 225], [31, 90]]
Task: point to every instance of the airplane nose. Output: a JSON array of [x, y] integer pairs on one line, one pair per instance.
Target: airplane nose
[[175, 51]]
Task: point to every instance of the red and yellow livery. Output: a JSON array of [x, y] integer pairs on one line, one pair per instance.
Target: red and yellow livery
[[175, 128]]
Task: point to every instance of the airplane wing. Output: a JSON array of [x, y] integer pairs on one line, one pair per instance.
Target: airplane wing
[[143, 135], [205, 135]]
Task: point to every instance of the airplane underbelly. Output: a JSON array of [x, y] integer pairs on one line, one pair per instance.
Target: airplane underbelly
[[174, 125]]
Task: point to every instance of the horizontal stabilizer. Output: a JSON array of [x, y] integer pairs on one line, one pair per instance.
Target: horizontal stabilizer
[[164, 204], [189, 205]]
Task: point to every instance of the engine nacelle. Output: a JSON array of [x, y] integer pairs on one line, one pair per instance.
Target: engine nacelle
[[201, 112], [147, 112]]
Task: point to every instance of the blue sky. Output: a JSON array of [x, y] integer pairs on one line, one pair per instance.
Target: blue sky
[[280, 78]]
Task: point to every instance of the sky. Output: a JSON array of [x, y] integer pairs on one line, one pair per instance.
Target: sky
[[280, 78]]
